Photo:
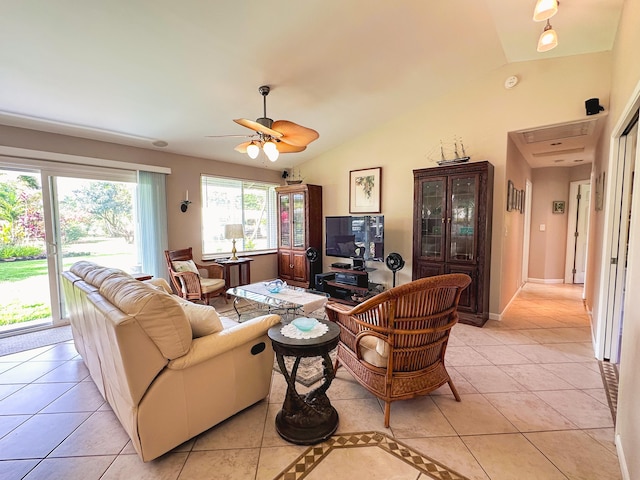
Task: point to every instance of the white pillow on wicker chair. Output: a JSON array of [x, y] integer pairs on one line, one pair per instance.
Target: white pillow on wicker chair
[[185, 266], [373, 352]]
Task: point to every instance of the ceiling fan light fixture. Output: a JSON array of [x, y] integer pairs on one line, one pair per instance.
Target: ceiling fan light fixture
[[271, 150], [548, 40], [544, 10], [253, 150]]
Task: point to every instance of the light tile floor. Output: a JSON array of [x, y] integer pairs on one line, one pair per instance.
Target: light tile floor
[[533, 406]]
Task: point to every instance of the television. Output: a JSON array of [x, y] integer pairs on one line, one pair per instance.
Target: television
[[355, 237]]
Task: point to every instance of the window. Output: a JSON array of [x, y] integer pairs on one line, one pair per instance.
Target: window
[[227, 201]]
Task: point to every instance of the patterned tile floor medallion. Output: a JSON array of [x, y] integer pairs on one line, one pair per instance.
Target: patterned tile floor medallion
[[304, 465]]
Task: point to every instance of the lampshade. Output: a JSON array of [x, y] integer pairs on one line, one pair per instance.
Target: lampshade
[[270, 150], [548, 40], [253, 150], [233, 231], [545, 9]]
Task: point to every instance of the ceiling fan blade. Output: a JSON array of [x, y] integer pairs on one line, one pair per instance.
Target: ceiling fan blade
[[287, 148], [257, 127], [295, 134], [242, 148]]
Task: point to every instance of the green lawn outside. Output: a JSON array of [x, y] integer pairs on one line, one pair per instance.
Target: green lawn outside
[[27, 283]]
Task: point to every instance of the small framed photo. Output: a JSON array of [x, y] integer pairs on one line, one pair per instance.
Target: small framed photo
[[558, 206], [364, 190], [511, 192]]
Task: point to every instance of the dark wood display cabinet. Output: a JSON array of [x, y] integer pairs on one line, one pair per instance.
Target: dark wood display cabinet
[[452, 213], [299, 227]]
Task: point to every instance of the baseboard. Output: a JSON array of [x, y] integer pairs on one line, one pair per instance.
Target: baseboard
[[621, 458], [546, 280], [498, 316]]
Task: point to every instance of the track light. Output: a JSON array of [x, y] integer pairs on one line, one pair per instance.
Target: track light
[[545, 9], [548, 40]]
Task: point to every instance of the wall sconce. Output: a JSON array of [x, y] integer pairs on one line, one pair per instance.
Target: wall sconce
[[184, 205]]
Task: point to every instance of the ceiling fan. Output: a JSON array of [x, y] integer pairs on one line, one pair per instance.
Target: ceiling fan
[[274, 137]]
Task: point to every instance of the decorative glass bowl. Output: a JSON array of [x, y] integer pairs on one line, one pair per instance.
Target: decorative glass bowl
[[304, 323], [275, 286]]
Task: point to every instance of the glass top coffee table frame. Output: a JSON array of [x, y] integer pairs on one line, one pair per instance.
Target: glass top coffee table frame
[[288, 303]]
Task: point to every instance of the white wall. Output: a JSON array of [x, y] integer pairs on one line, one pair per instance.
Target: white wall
[[625, 90]]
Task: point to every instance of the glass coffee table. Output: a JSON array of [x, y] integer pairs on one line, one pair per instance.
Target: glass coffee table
[[289, 302]]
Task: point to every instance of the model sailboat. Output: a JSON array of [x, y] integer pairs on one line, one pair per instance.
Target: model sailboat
[[458, 156]]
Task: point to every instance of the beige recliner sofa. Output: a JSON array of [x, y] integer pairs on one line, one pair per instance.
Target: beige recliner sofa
[[164, 385]]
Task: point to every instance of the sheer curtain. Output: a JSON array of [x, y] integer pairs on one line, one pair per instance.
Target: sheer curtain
[[152, 223]]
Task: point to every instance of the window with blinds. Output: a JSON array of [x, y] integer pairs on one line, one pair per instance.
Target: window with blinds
[[249, 203]]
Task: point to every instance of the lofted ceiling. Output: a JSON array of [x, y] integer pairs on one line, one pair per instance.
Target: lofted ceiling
[[160, 70]]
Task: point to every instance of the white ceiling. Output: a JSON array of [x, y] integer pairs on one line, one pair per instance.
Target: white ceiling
[[133, 72]]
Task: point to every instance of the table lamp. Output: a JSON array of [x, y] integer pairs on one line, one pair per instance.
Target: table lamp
[[231, 232]]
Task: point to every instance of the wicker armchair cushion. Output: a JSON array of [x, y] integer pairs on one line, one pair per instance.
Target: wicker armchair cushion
[[374, 351], [211, 284]]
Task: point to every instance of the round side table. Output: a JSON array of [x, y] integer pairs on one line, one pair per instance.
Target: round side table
[[306, 419]]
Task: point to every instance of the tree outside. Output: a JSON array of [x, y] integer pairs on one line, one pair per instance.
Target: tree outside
[[95, 219]]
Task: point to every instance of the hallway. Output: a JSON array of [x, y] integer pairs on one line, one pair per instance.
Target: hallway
[[533, 406]]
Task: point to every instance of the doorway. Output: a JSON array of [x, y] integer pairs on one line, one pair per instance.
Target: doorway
[[577, 231], [616, 250]]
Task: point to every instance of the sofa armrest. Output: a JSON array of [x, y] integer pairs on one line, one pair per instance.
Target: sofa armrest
[[210, 346]]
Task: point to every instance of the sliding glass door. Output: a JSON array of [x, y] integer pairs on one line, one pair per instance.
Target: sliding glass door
[[24, 269], [50, 219]]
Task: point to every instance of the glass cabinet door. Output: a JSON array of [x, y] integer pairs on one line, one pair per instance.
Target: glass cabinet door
[[432, 229], [284, 212], [298, 220], [463, 193]]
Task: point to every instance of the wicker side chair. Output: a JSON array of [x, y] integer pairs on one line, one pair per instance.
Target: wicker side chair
[[194, 282], [394, 343]]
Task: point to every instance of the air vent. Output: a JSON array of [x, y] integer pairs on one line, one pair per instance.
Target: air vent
[[558, 152], [579, 129]]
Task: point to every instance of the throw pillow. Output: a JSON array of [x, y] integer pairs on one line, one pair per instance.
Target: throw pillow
[[204, 319], [159, 284], [185, 266]]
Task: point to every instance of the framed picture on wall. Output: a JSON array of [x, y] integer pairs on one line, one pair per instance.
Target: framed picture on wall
[[364, 190], [521, 201], [558, 206], [600, 191], [511, 192]]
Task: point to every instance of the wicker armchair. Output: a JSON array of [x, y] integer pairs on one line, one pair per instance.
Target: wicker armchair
[[394, 343], [192, 281]]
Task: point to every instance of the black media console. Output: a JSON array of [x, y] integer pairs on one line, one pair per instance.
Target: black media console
[[348, 286]]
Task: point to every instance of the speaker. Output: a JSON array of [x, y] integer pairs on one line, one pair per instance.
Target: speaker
[[321, 278], [593, 106]]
